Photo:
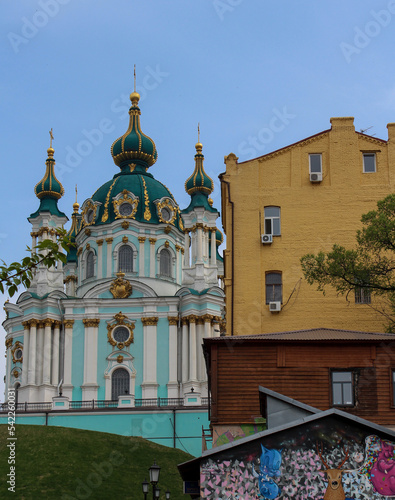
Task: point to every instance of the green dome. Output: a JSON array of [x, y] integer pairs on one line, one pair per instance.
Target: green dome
[[49, 190], [135, 195], [199, 181], [134, 147]]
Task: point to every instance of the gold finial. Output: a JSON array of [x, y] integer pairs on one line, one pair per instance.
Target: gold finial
[[199, 145], [135, 96], [50, 150], [76, 205]]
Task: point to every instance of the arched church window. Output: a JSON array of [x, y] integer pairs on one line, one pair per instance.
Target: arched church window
[[90, 264], [165, 262], [125, 259], [120, 383]]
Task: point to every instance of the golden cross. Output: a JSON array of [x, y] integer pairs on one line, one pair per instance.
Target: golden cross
[[76, 193], [198, 132], [51, 135], [135, 78]]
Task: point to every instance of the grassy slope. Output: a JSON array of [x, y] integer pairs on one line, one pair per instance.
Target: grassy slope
[[66, 464]]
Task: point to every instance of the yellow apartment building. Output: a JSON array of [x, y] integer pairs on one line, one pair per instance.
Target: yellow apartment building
[[300, 199]]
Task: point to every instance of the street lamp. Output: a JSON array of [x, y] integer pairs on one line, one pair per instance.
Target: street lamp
[[145, 485], [167, 494], [157, 492], [154, 471]]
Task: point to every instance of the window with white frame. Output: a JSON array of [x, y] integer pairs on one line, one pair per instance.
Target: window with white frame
[[274, 287], [369, 163], [315, 163], [90, 264], [165, 262], [272, 221], [125, 259]]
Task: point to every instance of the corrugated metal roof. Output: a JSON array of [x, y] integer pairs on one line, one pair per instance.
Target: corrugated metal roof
[[312, 334]]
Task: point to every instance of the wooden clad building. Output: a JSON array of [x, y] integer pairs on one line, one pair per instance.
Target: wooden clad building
[[350, 370]]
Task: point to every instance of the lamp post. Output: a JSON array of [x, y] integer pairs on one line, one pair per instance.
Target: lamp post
[[154, 472], [145, 485]]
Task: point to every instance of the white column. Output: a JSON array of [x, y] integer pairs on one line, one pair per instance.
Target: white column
[[207, 334], [68, 352], [99, 259], [172, 386], [185, 350], [149, 385], [141, 256], [25, 364], [32, 352], [213, 248], [199, 244], [186, 250], [109, 257], [152, 257], [55, 353], [46, 353], [8, 366], [200, 330], [89, 387], [192, 348], [178, 251], [34, 242], [40, 353]]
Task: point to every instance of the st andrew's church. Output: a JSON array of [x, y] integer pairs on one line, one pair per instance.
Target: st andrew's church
[[123, 320]]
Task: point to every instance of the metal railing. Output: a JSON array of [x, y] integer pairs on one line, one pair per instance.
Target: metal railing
[[99, 404]]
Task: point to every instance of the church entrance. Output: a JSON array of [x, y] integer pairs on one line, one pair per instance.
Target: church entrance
[[120, 383]]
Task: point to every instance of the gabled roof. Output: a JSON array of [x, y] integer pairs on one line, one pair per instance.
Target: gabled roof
[[313, 334]]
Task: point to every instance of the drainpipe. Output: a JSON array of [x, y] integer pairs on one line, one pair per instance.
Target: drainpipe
[[233, 251]]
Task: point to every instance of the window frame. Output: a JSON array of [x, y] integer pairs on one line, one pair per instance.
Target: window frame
[[271, 219], [279, 285], [130, 249], [343, 383], [365, 155], [90, 265], [310, 157], [167, 252]]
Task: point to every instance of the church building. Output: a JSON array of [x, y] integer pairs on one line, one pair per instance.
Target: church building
[[123, 320]]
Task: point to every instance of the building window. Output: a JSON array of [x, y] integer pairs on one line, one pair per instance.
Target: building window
[[342, 389], [125, 259], [362, 295], [274, 287], [393, 386], [165, 262], [315, 163], [369, 163], [272, 221], [90, 264], [120, 383]]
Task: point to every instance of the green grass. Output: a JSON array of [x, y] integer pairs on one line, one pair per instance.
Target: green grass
[[67, 464]]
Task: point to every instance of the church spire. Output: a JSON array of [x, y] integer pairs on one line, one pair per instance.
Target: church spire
[[199, 181], [49, 190], [134, 148]]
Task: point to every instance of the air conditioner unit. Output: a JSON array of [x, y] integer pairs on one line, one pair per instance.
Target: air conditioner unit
[[274, 306], [315, 176], [267, 238]]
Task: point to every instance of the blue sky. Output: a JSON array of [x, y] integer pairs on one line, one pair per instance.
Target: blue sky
[[256, 74]]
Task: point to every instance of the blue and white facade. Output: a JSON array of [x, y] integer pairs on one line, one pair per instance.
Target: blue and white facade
[[123, 320]]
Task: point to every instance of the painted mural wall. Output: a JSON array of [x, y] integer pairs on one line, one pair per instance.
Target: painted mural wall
[[323, 461]]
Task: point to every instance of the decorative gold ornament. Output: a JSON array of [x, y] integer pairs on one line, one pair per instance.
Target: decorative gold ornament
[[91, 322], [8, 343], [109, 240], [152, 241], [15, 373], [68, 323], [89, 214], [142, 239], [150, 321], [88, 246], [120, 320], [119, 359], [147, 213], [17, 352], [166, 206], [121, 288], [167, 229], [167, 244], [70, 278], [105, 214], [125, 239], [125, 224], [79, 251], [126, 198], [99, 242], [88, 231], [173, 320], [178, 248]]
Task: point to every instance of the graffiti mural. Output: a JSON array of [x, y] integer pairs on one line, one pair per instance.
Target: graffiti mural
[[308, 464]]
